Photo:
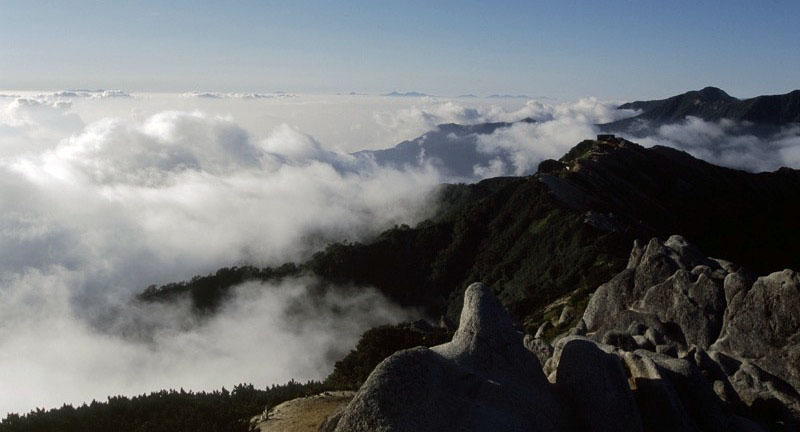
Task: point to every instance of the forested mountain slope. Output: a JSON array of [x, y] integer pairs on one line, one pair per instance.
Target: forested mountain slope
[[564, 230]]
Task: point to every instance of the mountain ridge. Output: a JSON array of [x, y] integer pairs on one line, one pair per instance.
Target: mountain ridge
[[535, 239], [713, 104], [451, 147]]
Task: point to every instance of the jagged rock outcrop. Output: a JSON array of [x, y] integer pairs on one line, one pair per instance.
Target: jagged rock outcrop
[[538, 346], [763, 324], [738, 339], [484, 379], [675, 342], [670, 287]]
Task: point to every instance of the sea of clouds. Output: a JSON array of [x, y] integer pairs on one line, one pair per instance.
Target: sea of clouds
[[107, 192], [728, 143]]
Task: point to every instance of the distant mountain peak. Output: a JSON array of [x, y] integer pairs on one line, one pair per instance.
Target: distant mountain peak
[[715, 93], [713, 104], [712, 94], [452, 147], [508, 96]]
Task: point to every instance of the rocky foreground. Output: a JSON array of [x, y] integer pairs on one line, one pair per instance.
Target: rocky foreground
[[675, 342]]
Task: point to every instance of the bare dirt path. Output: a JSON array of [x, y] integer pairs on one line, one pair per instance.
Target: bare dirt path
[[302, 414]]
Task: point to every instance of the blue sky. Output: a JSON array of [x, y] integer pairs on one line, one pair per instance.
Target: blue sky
[[562, 49]]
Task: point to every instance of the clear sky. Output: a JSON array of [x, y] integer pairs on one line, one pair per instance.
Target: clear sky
[[563, 49]]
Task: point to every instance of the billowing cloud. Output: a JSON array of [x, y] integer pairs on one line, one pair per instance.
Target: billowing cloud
[[518, 148], [112, 151], [94, 213], [559, 127], [30, 125], [177, 174], [89, 94], [40, 112], [527, 144], [727, 143], [422, 118], [266, 334]]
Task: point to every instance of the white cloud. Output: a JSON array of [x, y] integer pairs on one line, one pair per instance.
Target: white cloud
[[495, 168], [29, 125], [527, 144], [290, 145], [421, 118], [108, 94], [88, 94], [727, 143], [93, 214], [29, 112], [266, 334]]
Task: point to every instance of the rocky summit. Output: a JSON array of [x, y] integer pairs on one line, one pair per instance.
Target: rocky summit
[[677, 341], [484, 379]]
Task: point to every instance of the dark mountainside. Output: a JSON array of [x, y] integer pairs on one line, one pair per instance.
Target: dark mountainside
[[560, 232], [543, 244], [217, 411], [765, 113], [452, 148]]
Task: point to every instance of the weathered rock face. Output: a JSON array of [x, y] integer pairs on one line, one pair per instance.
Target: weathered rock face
[[594, 384], [675, 342], [673, 300], [540, 347], [669, 282], [484, 379], [763, 324]]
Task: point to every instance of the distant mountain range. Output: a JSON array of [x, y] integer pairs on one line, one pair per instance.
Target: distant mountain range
[[713, 104], [406, 94], [452, 148], [508, 96], [463, 96]]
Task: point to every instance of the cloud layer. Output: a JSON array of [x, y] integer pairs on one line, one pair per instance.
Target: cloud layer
[[556, 129], [267, 334], [89, 94], [93, 213], [105, 195], [518, 149], [728, 143]]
